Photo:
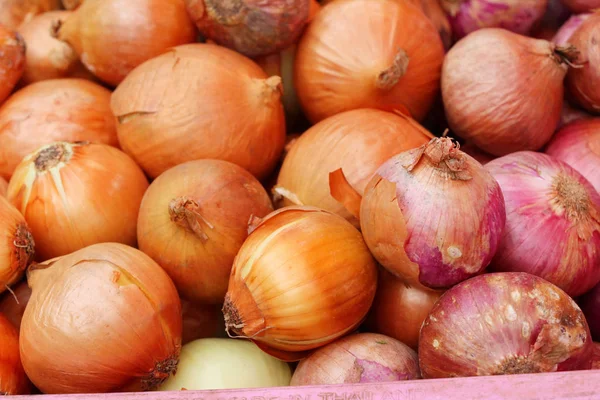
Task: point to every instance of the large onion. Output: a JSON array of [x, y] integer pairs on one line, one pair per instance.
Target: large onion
[[590, 305], [51, 111], [563, 36], [552, 223], [402, 221], [13, 303], [12, 61], [15, 12], [289, 298], [77, 194], [193, 221], [112, 37], [504, 92], [200, 101], [104, 318], [379, 62], [357, 141], [13, 380], [579, 6], [504, 323], [358, 358]]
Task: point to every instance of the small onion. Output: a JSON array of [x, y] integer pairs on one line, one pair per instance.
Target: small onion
[[112, 37], [552, 223], [50, 111], [402, 221], [504, 92], [563, 36], [580, 6], [251, 27], [358, 358], [290, 299], [200, 101], [199, 321], [399, 309], [193, 221], [583, 82], [3, 187], [357, 141], [13, 303], [104, 318], [15, 12], [504, 323], [13, 380], [590, 305], [518, 16], [578, 144], [379, 62], [12, 61], [77, 194]]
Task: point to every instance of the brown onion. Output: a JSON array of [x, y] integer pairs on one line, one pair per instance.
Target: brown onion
[[13, 380], [51, 111], [290, 299], [200, 101], [200, 321], [3, 187], [104, 318], [503, 323], [12, 61], [579, 6], [77, 194], [408, 233], [552, 221], [13, 303], [583, 82], [193, 221], [381, 64], [399, 309], [15, 12], [112, 37], [504, 92], [358, 358], [357, 141], [563, 36]]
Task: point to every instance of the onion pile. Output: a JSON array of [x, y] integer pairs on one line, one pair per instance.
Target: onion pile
[[13, 380], [552, 221], [12, 61], [15, 12], [77, 194], [13, 303]]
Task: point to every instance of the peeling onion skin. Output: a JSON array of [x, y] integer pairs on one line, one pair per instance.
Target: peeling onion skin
[[77, 194], [552, 221], [358, 358], [402, 225], [15, 12], [502, 91], [251, 27], [383, 65], [12, 61], [112, 37], [578, 144], [356, 141], [565, 32], [133, 299], [501, 324], [583, 83], [518, 16], [194, 219], [313, 294], [13, 380], [580, 6], [165, 117], [56, 110], [13, 303]]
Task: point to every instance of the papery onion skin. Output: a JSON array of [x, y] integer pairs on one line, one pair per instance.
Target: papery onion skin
[[251, 27], [504, 323], [372, 65], [510, 98], [128, 331], [15, 12], [56, 110], [194, 219], [399, 309], [13, 380], [13, 303], [580, 6], [214, 103], [358, 358], [552, 221], [405, 230], [12, 62], [112, 37], [77, 194], [583, 82], [565, 32], [356, 141], [578, 144], [330, 281], [3, 187], [518, 16], [200, 321]]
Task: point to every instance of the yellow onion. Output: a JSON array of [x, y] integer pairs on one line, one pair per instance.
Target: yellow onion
[[77, 194], [13, 303], [193, 220], [504, 92], [13, 380], [303, 278], [104, 318], [15, 12], [12, 61], [433, 216], [356, 141]]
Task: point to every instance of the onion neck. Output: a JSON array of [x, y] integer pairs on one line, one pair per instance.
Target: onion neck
[[566, 55], [51, 156], [444, 155], [388, 78], [186, 213]]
